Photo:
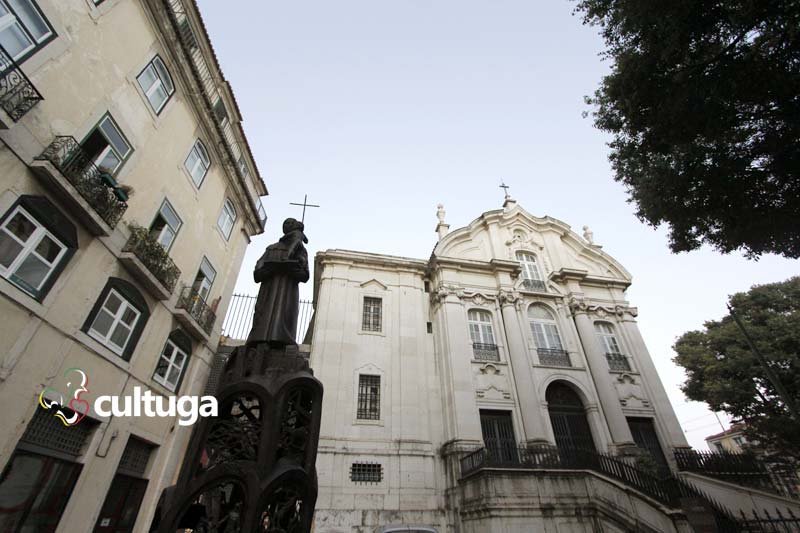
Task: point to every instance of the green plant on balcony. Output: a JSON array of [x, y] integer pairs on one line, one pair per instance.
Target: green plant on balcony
[[153, 255]]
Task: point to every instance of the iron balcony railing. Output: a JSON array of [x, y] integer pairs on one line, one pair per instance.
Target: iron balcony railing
[[153, 256], [17, 94], [553, 357], [196, 306], [98, 188], [668, 490], [239, 318], [618, 362], [485, 352], [534, 285]]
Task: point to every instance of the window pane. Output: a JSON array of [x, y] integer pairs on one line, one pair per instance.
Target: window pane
[[120, 335], [28, 15], [157, 97], [166, 237], [21, 227], [161, 367], [9, 249], [114, 137], [164, 75], [14, 40], [208, 270], [48, 249], [179, 357], [147, 78], [170, 216], [32, 271], [174, 374], [129, 316], [201, 151], [109, 161], [112, 303], [102, 322]]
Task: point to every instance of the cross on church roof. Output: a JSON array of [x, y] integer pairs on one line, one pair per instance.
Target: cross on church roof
[[505, 189], [304, 204]]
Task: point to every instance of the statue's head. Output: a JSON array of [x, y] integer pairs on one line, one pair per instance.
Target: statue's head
[[291, 224]]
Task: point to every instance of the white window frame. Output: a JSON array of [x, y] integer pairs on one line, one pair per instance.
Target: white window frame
[[202, 161], [170, 365], [547, 331], [367, 301], [481, 330], [12, 19], [530, 266], [227, 218], [608, 339], [207, 280], [105, 339], [29, 248], [108, 119], [175, 230], [162, 79]]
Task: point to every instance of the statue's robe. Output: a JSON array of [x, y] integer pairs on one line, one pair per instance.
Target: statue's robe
[[277, 305]]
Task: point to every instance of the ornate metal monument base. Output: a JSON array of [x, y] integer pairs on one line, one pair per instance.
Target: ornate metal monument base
[[251, 469]]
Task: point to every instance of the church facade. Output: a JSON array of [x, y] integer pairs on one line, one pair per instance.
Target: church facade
[[514, 341]]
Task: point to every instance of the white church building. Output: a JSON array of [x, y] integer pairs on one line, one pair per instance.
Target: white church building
[[460, 390]]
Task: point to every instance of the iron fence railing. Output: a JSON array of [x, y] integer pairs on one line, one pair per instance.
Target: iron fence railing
[[98, 188], [534, 285], [196, 306], [154, 257], [766, 522], [668, 490], [618, 362], [553, 357], [239, 318], [485, 352], [17, 94]]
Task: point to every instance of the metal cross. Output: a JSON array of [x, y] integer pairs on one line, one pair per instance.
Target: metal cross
[[504, 187], [304, 204]]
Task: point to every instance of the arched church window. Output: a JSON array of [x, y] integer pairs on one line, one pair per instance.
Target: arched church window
[[608, 340], [531, 275], [545, 334], [482, 335]]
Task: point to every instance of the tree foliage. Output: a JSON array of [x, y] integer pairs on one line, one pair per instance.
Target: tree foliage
[[723, 372], [703, 101]]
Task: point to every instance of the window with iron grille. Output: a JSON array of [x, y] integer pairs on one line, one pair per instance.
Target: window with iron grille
[[366, 472], [369, 397], [371, 320], [135, 457], [46, 431]]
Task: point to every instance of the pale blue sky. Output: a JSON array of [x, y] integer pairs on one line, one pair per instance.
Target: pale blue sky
[[379, 110]]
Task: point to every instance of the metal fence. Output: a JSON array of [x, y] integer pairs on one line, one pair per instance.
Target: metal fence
[[239, 319]]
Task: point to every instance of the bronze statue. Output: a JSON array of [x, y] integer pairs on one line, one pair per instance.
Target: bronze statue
[[279, 271]]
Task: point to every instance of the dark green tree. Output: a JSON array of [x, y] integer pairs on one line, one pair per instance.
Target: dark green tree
[[722, 371], [703, 103]]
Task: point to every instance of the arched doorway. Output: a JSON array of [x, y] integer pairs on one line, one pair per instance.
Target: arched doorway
[[568, 418]]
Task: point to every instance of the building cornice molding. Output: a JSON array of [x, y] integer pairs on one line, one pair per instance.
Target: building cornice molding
[[578, 304]]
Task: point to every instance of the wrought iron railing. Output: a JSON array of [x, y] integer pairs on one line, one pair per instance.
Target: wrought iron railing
[[534, 285], [96, 187], [668, 490], [153, 256], [239, 318], [553, 357], [739, 468], [207, 80], [618, 362], [196, 306], [485, 352], [17, 94]]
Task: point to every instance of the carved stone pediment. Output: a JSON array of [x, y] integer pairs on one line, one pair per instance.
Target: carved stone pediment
[[630, 392]]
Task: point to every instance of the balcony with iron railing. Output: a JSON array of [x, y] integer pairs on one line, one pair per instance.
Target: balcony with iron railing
[[535, 285], [17, 94], [89, 194], [553, 357], [485, 352], [618, 362], [194, 313], [150, 263]]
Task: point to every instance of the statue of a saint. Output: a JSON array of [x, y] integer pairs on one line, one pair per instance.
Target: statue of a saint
[[279, 271]]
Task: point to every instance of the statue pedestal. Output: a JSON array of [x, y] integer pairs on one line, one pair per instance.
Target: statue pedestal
[[252, 467]]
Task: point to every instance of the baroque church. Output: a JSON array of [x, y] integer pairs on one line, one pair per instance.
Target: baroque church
[[500, 385]]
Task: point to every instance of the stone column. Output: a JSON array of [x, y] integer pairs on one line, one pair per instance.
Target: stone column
[[530, 410], [604, 385], [648, 371]]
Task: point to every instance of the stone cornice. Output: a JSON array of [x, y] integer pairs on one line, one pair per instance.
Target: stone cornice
[[473, 265], [599, 309]]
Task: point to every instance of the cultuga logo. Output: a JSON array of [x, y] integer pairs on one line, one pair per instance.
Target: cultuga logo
[[187, 408]]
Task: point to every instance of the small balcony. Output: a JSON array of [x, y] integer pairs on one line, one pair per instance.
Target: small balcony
[[91, 196], [17, 94], [618, 362], [150, 263], [535, 285], [194, 314], [553, 357], [485, 352]]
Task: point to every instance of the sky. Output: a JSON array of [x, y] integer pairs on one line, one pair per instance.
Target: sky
[[380, 110]]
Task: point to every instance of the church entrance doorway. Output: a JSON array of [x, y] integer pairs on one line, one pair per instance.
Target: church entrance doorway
[[568, 418], [498, 436]]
